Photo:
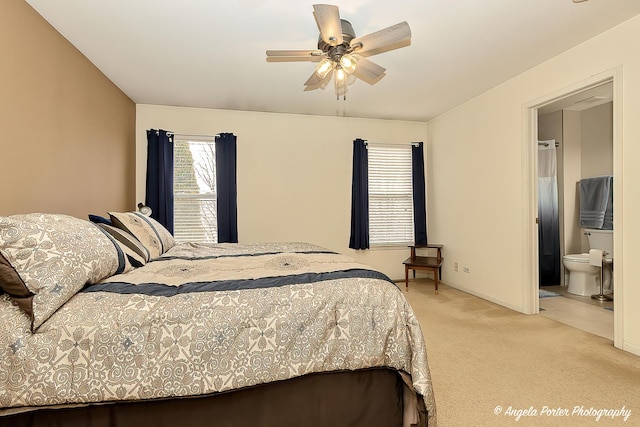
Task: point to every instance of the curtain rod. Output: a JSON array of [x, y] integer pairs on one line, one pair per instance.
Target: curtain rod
[[171, 133], [546, 143], [191, 135], [389, 144]]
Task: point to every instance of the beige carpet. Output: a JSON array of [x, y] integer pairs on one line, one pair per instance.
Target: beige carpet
[[489, 364]]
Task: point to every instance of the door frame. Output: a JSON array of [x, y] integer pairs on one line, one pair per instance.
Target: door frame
[[530, 192]]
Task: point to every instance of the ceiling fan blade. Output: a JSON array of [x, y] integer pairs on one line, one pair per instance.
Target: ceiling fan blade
[[295, 52], [387, 39], [316, 82], [294, 55], [327, 17], [368, 71], [293, 59]]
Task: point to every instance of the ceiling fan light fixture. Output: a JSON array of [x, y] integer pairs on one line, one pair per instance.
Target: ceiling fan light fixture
[[340, 82], [348, 63], [324, 67]]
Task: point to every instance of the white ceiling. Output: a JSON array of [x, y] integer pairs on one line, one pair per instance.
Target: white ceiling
[[211, 54]]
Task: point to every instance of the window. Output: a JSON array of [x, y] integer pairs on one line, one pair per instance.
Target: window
[[390, 195], [194, 189]]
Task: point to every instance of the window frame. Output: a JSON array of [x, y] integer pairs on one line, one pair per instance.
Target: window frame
[[210, 236], [403, 159]]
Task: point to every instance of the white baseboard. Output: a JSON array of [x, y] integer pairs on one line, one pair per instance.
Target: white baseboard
[[631, 348], [486, 297]]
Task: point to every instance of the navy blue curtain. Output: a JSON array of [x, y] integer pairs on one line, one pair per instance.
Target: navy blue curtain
[[159, 187], [419, 200], [360, 197], [226, 187]]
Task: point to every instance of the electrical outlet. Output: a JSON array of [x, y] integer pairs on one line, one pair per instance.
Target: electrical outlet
[[455, 266], [466, 270]]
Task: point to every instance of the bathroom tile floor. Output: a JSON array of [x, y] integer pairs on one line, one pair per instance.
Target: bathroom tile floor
[[562, 290], [580, 312]]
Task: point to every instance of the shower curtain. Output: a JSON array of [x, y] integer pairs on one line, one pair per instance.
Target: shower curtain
[[548, 223]]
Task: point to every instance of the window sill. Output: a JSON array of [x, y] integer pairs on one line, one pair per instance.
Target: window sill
[[390, 246]]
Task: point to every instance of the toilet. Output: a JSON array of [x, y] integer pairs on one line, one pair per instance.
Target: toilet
[[583, 278]]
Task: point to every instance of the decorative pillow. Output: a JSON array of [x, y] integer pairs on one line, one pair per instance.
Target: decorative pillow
[[45, 259], [97, 219], [124, 259], [138, 255], [147, 230]]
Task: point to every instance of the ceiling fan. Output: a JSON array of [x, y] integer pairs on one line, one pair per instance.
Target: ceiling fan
[[341, 54]]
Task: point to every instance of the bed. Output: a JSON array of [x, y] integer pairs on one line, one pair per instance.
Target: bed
[[116, 324]]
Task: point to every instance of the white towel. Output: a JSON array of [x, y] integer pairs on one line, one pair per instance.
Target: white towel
[[595, 257]]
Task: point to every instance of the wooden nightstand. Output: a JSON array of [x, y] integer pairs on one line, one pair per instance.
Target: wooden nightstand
[[416, 262]]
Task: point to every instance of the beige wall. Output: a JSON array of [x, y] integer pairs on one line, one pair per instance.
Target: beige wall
[[597, 140], [477, 206], [572, 172], [294, 171], [68, 133]]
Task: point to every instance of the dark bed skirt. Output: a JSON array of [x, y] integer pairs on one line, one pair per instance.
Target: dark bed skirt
[[372, 397]]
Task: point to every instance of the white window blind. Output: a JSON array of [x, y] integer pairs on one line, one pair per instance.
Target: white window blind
[[390, 195], [194, 190]]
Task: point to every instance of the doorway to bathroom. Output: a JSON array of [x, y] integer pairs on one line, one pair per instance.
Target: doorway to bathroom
[[569, 135], [575, 145], [575, 142]]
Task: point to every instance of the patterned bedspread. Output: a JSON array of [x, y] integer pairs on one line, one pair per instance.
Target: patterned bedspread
[[209, 318]]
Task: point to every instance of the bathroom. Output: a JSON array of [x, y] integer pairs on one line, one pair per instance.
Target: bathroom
[[580, 127]]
